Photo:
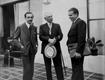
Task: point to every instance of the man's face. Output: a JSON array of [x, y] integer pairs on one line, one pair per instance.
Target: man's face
[[72, 16], [29, 18], [49, 18]]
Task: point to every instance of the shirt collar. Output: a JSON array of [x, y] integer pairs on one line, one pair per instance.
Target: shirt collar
[[28, 25], [49, 24], [75, 20]]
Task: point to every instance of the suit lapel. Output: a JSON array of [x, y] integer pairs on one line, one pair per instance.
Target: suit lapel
[[73, 26], [26, 30], [77, 21], [74, 23], [47, 28], [52, 29]]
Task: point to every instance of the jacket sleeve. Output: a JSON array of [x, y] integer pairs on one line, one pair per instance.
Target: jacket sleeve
[[60, 35], [42, 37], [36, 36], [81, 36]]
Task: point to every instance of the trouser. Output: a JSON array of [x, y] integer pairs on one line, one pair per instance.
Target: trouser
[[58, 67], [77, 68], [28, 66]]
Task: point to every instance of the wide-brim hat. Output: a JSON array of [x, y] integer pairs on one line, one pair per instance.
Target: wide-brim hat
[[50, 51]]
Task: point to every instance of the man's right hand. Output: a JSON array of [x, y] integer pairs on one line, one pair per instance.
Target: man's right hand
[[22, 46], [77, 55], [52, 41]]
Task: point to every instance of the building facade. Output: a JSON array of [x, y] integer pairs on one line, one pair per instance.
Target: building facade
[[12, 14]]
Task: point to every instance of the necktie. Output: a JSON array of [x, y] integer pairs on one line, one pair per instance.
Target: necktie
[[30, 37], [30, 28], [50, 26]]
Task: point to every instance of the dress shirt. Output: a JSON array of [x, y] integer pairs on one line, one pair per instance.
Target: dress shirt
[[28, 25], [75, 19], [50, 26]]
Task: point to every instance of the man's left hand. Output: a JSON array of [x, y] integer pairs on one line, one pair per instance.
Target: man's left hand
[[77, 55]]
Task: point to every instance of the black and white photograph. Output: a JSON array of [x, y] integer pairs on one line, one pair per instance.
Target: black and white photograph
[[52, 39]]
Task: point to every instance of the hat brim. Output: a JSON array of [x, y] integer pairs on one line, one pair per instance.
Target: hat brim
[[50, 51]]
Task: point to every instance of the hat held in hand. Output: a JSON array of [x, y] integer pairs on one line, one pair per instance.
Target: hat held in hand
[[50, 51]]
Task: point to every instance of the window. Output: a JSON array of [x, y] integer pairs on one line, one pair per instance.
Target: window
[[96, 19]]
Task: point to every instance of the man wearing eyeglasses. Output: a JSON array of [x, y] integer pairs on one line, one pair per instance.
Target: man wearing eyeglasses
[[27, 33]]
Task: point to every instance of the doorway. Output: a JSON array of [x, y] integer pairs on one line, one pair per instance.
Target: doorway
[[8, 23]]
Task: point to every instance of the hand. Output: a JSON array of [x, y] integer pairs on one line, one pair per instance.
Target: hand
[[77, 55], [9, 40], [22, 46], [36, 45], [52, 41]]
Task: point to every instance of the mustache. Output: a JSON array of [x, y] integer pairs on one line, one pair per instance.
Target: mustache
[[29, 20]]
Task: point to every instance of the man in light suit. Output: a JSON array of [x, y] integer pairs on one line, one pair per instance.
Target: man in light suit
[[77, 34], [27, 33], [50, 33]]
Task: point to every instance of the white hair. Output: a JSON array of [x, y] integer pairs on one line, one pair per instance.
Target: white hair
[[46, 14]]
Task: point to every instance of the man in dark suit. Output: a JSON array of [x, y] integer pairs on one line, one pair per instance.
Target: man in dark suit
[[50, 33], [77, 34], [27, 33]]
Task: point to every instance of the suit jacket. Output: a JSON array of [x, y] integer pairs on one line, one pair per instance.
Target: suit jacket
[[77, 34], [44, 35], [27, 39]]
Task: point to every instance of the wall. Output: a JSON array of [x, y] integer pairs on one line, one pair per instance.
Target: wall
[[36, 9], [7, 1], [97, 29], [2, 2], [59, 9], [1, 23], [1, 29]]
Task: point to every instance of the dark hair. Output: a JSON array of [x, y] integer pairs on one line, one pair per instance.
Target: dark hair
[[75, 10], [28, 13]]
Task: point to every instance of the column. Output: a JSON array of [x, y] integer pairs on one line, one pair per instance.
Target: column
[[16, 14], [1, 28], [36, 9]]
